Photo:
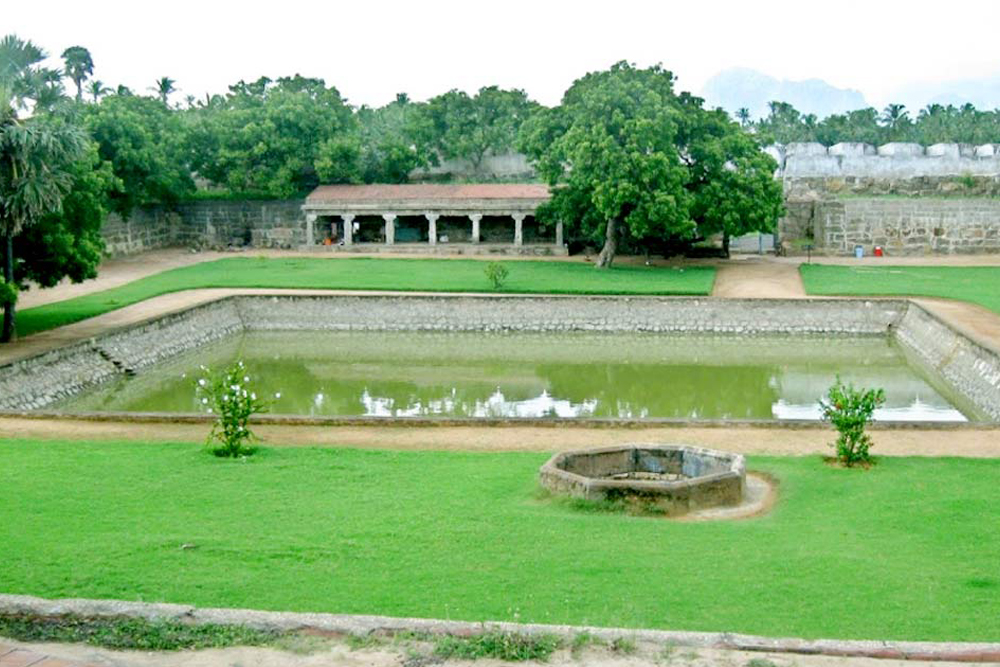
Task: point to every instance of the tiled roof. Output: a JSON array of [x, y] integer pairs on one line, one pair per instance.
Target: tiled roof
[[424, 192]]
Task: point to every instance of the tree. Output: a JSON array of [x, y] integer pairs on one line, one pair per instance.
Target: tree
[[743, 116], [97, 90], [164, 88], [456, 125], [78, 67], [731, 178], [268, 137], [610, 153], [68, 243], [145, 143], [36, 156], [896, 121]]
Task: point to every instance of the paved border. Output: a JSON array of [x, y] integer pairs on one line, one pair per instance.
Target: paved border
[[348, 624]]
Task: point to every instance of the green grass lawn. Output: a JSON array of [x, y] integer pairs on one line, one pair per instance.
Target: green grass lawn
[[978, 284], [432, 275], [907, 550]]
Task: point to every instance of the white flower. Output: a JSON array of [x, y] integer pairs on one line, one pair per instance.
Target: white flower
[[246, 378], [204, 401], [277, 394], [210, 410], [244, 393], [225, 397], [253, 397], [201, 382]]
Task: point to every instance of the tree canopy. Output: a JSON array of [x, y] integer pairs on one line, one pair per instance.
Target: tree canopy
[[629, 159]]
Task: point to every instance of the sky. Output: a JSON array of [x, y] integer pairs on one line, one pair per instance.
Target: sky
[[372, 49]]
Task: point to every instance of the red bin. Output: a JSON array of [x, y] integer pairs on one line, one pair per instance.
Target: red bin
[[878, 251]]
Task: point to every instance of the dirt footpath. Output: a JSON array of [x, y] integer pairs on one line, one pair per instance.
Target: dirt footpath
[[966, 441], [329, 653]]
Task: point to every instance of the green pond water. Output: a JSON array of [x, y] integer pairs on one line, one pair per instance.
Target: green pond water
[[634, 376]]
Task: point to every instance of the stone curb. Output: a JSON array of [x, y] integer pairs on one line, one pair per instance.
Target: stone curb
[[483, 422], [345, 624]]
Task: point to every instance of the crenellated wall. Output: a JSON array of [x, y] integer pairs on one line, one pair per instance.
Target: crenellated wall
[[908, 199]]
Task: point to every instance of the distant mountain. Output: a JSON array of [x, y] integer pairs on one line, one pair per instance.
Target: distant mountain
[[734, 88]]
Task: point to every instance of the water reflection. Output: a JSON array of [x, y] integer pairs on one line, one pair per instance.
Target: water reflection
[[564, 376]]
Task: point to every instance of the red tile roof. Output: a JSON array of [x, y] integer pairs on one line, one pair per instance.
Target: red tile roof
[[423, 192]]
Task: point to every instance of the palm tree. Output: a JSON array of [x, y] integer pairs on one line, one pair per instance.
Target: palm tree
[[97, 90], [743, 115], [79, 66], [164, 87], [35, 156]]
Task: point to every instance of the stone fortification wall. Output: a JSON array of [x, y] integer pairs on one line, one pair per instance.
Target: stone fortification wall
[[146, 229], [207, 224], [901, 226], [893, 161], [911, 200]]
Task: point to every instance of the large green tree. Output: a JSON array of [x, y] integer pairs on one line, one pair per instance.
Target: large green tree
[[610, 153], [265, 136], [37, 156], [628, 158], [457, 125], [78, 66], [145, 143], [730, 177]]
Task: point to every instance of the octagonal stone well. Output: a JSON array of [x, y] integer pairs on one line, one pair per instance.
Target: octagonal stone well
[[673, 479]]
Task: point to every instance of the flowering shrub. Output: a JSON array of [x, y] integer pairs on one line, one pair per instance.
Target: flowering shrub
[[229, 395], [850, 410]]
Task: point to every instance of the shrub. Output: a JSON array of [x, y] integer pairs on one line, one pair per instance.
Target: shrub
[[509, 646], [497, 274], [8, 293], [850, 410], [230, 398]]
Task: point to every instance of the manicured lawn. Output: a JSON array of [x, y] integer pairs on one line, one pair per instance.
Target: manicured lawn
[[978, 284], [907, 550], [432, 275]]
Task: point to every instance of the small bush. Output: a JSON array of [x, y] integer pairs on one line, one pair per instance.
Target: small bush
[[230, 398], [8, 293], [624, 646], [510, 646], [850, 410], [497, 274]]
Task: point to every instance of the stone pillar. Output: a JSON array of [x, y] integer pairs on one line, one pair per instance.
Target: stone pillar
[[475, 217], [518, 228], [432, 227], [311, 229], [390, 228], [559, 234], [348, 229]]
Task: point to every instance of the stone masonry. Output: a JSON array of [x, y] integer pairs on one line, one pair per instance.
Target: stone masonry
[[41, 381]]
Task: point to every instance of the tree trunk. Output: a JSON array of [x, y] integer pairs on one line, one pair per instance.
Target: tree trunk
[[607, 255], [725, 244], [7, 334]]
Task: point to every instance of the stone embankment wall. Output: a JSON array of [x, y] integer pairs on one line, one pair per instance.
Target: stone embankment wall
[[911, 200], [41, 381]]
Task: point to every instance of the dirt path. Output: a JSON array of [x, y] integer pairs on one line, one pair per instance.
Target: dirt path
[[328, 653], [755, 277], [972, 442]]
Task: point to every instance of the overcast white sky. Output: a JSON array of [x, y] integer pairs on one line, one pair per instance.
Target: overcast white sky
[[372, 49]]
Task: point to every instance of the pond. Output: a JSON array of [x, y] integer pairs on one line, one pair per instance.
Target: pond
[[578, 375]]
